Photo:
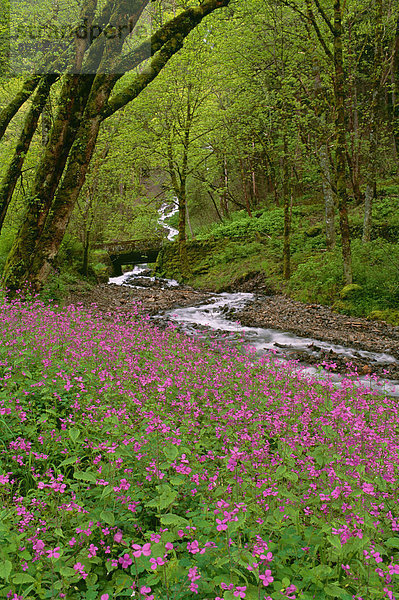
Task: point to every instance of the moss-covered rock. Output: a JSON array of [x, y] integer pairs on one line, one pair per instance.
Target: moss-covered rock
[[314, 231], [351, 291]]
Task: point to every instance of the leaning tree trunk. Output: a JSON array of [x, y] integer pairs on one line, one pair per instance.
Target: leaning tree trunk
[[80, 155], [48, 174], [9, 111], [340, 150], [13, 172], [48, 244]]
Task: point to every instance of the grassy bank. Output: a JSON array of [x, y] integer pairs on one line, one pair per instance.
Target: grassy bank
[[140, 462]]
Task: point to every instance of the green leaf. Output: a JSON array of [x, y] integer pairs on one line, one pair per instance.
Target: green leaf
[[23, 578], [171, 519], [74, 434], [106, 491], [167, 497], [5, 569], [392, 542], [108, 517], [337, 592], [59, 532], [67, 571], [281, 470], [251, 593], [321, 571], [152, 580], [68, 461], [171, 452], [85, 476], [176, 480], [335, 541]]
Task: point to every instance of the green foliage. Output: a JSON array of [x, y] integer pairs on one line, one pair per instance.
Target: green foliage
[[240, 225], [6, 240], [60, 283], [376, 273]]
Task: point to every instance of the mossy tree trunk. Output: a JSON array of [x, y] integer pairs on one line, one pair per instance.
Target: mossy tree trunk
[[329, 204], [371, 174], [11, 109], [287, 214], [47, 177], [340, 159], [13, 172], [395, 86]]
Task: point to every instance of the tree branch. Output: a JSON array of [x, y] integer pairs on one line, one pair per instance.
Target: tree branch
[[7, 114], [324, 16], [165, 43]]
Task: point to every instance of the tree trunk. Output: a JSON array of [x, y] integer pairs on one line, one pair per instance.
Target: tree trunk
[[395, 88], [46, 123], [9, 111], [86, 246], [47, 177], [369, 196], [329, 204], [224, 198], [48, 244], [340, 150], [244, 187], [182, 238], [371, 178], [189, 222], [13, 172], [287, 215]]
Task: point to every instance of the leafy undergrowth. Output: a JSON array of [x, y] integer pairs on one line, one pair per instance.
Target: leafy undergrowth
[[138, 462]]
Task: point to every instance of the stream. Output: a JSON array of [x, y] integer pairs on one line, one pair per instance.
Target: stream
[[215, 318]]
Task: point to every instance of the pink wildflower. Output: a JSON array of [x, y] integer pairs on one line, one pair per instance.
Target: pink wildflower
[[125, 561]]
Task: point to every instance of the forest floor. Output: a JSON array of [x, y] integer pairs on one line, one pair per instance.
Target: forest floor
[[276, 312]]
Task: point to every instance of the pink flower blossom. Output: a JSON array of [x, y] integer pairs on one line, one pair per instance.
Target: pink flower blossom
[[266, 578], [155, 562], [144, 550], [125, 561], [118, 537], [54, 553]]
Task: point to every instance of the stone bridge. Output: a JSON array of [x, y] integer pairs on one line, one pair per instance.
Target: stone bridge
[[132, 252]]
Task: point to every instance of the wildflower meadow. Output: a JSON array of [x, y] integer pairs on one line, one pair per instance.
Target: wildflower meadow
[[139, 462]]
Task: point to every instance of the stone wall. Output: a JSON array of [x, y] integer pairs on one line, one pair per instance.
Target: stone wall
[[199, 254]]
